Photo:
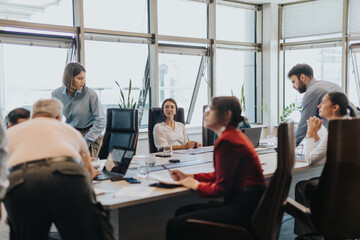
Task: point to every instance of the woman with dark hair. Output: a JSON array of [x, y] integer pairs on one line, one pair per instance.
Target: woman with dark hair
[[334, 105], [168, 132], [238, 176], [82, 108]]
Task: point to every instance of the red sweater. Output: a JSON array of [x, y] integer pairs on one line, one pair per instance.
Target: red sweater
[[236, 164]]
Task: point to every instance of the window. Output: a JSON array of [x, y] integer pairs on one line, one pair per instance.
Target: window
[[58, 12], [326, 63], [233, 69], [177, 76], [129, 15], [107, 62], [235, 24], [182, 18], [30, 73]]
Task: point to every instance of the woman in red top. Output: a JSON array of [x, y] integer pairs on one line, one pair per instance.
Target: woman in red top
[[238, 175]]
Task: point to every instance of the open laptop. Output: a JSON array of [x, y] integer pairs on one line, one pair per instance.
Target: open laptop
[[116, 163], [253, 134]]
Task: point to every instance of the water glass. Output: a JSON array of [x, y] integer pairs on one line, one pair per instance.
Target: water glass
[[95, 163], [150, 160], [271, 141], [168, 151], [143, 169]]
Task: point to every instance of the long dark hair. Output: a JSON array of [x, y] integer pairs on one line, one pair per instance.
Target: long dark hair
[[162, 116], [223, 104], [341, 99]]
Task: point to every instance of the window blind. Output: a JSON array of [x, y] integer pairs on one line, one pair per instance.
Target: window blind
[[312, 18], [354, 17]]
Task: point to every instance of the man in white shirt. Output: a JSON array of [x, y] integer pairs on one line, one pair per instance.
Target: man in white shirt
[[50, 179]]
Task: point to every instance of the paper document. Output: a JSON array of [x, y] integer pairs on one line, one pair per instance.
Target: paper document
[[194, 151], [134, 191], [100, 191], [166, 180]]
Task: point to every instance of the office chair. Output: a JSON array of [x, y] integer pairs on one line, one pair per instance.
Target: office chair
[[335, 209], [154, 114], [266, 222], [207, 134], [122, 129]]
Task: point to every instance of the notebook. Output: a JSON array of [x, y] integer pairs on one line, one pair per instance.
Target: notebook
[[116, 163], [253, 134]]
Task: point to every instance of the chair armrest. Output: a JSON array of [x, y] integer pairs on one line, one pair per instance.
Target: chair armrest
[[198, 229], [297, 210]]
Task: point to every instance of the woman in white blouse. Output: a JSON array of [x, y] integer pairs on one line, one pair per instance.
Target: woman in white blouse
[[168, 132], [333, 106]]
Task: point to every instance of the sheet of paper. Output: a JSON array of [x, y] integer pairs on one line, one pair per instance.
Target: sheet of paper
[[100, 191], [133, 191], [166, 180]]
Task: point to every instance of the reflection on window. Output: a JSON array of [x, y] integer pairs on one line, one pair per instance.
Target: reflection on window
[[107, 62], [233, 69], [58, 12], [30, 73], [130, 15], [177, 76], [173, 21], [326, 63], [235, 24], [354, 83]]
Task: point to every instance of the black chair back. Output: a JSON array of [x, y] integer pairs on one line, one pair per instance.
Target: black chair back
[[122, 129], [335, 205], [207, 134], [154, 114], [267, 218]]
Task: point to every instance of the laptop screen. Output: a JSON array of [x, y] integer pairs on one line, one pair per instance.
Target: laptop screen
[[119, 160], [253, 134]]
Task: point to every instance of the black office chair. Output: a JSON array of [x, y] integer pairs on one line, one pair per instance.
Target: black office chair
[[266, 222], [154, 114], [207, 134], [122, 129], [335, 208]]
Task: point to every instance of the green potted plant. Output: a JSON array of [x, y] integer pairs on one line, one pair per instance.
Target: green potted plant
[[131, 103], [288, 110]]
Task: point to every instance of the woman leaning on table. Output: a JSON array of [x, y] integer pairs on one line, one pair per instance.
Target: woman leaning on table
[[238, 176], [169, 132], [82, 108]]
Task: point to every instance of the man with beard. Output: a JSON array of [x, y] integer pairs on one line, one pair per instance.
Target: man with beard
[[302, 78]]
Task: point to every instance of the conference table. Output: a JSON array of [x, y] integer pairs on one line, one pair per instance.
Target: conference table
[[139, 211]]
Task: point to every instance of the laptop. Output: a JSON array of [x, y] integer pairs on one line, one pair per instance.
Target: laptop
[[253, 134], [116, 163]]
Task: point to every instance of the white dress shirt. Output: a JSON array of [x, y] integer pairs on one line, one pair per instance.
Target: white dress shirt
[[315, 152], [3, 158], [165, 136]]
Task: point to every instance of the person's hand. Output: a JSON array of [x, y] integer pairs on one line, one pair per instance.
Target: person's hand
[[314, 125], [178, 175], [198, 144], [190, 183], [189, 144], [95, 173]]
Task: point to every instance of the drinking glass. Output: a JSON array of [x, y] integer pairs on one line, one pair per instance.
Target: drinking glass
[[168, 151], [95, 162], [143, 169], [150, 160]]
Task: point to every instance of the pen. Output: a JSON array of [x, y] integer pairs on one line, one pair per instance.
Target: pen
[[166, 168]]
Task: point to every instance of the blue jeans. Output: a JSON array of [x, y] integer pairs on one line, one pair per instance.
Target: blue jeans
[[52, 192]]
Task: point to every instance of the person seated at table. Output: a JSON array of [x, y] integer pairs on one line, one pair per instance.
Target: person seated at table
[[168, 132], [334, 105], [238, 176], [16, 116]]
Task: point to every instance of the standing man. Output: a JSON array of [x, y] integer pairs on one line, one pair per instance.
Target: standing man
[[302, 78], [50, 179], [3, 160]]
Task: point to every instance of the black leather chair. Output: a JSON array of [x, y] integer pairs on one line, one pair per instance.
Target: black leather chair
[[335, 204], [154, 114], [122, 129], [207, 134], [266, 222]]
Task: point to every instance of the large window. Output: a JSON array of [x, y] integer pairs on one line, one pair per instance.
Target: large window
[[30, 73], [107, 62], [235, 70], [178, 76]]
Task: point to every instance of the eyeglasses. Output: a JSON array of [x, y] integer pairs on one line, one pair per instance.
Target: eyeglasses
[[208, 109]]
